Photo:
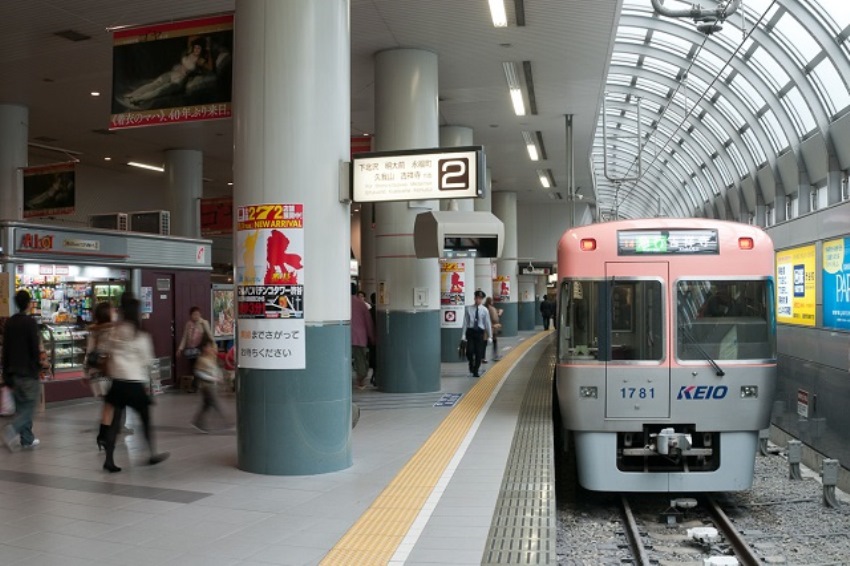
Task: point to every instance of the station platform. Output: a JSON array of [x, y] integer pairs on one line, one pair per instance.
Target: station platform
[[462, 476]]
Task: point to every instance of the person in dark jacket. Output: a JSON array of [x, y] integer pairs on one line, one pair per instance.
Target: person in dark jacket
[[547, 311], [21, 366]]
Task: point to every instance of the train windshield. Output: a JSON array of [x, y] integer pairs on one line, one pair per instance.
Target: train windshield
[[725, 320], [616, 319]]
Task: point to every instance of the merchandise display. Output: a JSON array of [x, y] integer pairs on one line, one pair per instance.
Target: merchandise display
[[65, 345]]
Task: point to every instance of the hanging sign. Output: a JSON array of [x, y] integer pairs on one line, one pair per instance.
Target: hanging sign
[[172, 72], [49, 190], [270, 286], [216, 216]]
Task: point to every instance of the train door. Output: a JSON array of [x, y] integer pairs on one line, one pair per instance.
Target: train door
[[633, 340]]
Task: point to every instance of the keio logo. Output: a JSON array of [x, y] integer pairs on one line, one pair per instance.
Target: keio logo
[[702, 392]]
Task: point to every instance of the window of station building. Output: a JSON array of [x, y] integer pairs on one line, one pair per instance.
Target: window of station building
[[645, 83], [754, 146], [796, 106], [834, 13], [769, 68], [745, 89], [775, 132], [798, 41], [724, 172], [732, 114], [737, 159], [663, 67], [715, 128], [631, 34], [830, 87], [627, 59], [669, 42]]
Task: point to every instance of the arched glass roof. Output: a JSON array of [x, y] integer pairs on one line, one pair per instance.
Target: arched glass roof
[[716, 112]]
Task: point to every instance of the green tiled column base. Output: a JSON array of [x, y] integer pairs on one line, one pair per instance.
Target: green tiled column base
[[409, 351], [298, 422], [509, 318], [449, 340], [526, 316]]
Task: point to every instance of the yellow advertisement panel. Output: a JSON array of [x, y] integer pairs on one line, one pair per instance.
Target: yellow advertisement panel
[[795, 286]]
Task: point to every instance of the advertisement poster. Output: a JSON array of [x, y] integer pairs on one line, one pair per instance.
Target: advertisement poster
[[5, 290], [223, 309], [172, 72], [270, 286], [502, 288], [49, 190], [216, 216], [835, 283], [146, 297], [452, 293], [795, 286]]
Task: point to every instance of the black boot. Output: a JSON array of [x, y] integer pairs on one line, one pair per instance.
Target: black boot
[[101, 437]]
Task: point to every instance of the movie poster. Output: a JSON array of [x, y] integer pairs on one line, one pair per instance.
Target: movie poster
[[49, 190], [270, 286], [172, 72], [452, 293]]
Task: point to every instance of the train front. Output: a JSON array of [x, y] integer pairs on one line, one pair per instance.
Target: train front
[[666, 353]]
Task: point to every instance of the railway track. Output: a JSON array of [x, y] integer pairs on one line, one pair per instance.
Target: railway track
[[645, 551]]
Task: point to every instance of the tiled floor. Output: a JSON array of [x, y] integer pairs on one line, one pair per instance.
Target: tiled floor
[[58, 507]]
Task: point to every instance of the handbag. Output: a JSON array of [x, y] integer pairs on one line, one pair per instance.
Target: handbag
[[100, 386], [191, 353], [461, 349]]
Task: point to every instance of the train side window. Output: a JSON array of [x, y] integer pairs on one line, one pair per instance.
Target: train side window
[[577, 328]]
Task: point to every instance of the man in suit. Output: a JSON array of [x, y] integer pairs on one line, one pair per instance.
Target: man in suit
[[476, 330]]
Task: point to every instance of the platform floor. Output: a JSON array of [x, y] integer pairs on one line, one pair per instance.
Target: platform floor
[[58, 507]]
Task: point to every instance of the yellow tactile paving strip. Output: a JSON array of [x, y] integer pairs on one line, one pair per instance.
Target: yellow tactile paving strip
[[374, 538]]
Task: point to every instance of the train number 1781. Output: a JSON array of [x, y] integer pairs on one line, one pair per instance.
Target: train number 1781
[[637, 392]]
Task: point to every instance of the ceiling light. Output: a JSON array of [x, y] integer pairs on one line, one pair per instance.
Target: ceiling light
[[146, 166], [514, 87], [497, 12], [95, 93], [545, 177], [531, 146], [107, 159], [230, 184]]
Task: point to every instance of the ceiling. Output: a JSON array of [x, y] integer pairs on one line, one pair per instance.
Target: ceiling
[[567, 42]]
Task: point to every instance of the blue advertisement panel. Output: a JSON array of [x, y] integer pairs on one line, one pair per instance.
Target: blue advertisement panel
[[836, 283]]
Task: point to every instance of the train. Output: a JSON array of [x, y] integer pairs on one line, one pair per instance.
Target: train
[[666, 352]]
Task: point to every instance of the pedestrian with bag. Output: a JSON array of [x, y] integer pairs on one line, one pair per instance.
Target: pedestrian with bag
[[495, 315], [21, 362], [476, 332], [196, 328], [96, 363], [209, 374], [547, 311], [130, 351]]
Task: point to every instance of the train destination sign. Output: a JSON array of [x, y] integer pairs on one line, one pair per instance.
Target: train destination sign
[[667, 242], [421, 174]]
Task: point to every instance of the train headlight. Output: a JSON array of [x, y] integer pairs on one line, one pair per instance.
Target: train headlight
[[749, 391], [588, 392]]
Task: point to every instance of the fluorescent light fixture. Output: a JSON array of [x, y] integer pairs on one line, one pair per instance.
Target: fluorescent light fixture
[[107, 159], [545, 178], [531, 146], [95, 93], [146, 166], [497, 12], [514, 87]]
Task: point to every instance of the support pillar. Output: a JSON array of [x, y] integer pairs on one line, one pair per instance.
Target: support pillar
[[184, 170], [450, 331], [525, 318], [408, 333], [367, 249], [294, 415], [484, 265], [506, 285], [14, 129]]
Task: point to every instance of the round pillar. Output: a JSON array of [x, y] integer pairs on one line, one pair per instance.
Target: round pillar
[[525, 309], [484, 265], [408, 333], [506, 285], [14, 129], [453, 298], [291, 131], [184, 170]]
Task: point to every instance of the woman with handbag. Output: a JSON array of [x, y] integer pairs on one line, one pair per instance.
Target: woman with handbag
[[130, 352], [96, 363], [196, 328]]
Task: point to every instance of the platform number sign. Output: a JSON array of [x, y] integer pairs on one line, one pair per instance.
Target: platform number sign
[[454, 174]]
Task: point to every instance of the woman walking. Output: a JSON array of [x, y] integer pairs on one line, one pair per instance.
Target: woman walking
[[96, 364], [209, 376], [195, 330], [130, 356]]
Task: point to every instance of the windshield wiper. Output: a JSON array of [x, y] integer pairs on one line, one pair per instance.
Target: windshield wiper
[[687, 333]]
